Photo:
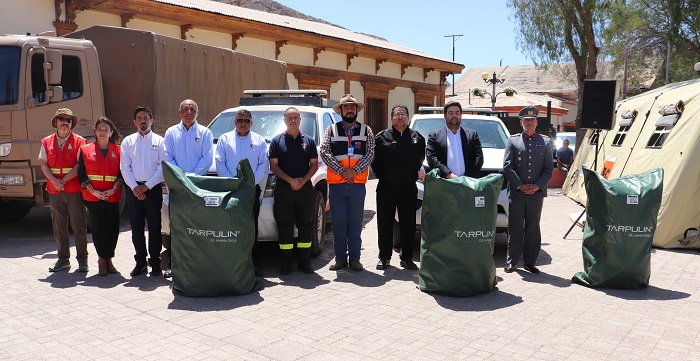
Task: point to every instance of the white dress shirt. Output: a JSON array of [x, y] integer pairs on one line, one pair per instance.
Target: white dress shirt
[[455, 157], [140, 159], [232, 148]]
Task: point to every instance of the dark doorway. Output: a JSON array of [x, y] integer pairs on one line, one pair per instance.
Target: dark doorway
[[375, 114]]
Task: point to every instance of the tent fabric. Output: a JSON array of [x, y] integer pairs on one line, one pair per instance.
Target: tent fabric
[[458, 234], [620, 224], [141, 67], [679, 215], [212, 232]]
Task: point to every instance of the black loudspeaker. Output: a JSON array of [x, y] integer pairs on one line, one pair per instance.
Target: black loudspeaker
[[598, 104]]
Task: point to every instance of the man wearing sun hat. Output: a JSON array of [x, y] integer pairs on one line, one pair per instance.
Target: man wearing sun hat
[[347, 149], [527, 165], [58, 157]]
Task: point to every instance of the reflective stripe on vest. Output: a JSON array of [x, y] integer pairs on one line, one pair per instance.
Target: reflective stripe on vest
[[339, 149], [102, 172], [61, 170], [62, 160]]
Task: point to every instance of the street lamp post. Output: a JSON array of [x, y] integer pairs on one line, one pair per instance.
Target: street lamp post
[[493, 81]]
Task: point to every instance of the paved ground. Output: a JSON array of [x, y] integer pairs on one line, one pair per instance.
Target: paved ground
[[373, 315]]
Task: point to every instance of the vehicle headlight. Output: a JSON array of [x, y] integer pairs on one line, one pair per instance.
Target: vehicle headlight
[[270, 185], [12, 180], [5, 149]]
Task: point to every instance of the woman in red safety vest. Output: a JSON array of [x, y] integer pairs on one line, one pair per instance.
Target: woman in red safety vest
[[100, 180]]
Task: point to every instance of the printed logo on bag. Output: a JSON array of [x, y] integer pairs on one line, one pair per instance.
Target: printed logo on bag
[[480, 202], [215, 235], [479, 236], [633, 199], [631, 231], [211, 201]]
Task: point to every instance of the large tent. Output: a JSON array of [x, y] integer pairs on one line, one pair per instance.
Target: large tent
[[658, 128]]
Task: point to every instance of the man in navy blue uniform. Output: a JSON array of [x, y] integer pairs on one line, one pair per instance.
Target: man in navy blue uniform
[[527, 165], [294, 160]]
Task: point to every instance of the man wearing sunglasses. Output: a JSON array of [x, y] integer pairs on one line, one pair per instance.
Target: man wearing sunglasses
[[58, 157], [239, 144]]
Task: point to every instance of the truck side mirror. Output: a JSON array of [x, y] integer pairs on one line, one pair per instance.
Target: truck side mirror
[[53, 66], [55, 93]]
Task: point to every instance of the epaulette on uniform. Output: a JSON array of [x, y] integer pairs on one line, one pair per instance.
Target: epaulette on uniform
[[544, 136], [515, 135]]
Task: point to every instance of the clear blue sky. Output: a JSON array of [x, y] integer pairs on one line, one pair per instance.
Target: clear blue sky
[[488, 32]]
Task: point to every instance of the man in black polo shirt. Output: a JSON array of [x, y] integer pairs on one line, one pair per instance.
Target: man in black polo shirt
[[294, 159], [398, 156]]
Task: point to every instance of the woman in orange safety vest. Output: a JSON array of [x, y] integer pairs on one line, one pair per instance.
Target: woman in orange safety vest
[[100, 179]]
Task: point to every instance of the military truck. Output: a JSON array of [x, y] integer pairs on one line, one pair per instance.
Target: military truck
[[107, 71]]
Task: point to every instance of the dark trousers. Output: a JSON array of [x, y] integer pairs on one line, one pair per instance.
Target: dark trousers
[[69, 209], [256, 213], [391, 199], [104, 218], [140, 212], [294, 208], [524, 237]]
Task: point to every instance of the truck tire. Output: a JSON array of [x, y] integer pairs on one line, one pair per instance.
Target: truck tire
[[12, 211], [319, 222]]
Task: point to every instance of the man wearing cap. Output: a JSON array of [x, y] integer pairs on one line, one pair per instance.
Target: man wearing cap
[[399, 155], [140, 164], [347, 149], [527, 164], [234, 146], [453, 150], [190, 146], [58, 157]]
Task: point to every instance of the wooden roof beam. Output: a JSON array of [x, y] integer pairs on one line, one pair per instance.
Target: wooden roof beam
[[317, 51], [234, 39], [349, 59], [278, 47], [184, 28], [377, 63], [126, 18]]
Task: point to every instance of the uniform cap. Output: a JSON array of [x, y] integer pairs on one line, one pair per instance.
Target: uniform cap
[[528, 112]]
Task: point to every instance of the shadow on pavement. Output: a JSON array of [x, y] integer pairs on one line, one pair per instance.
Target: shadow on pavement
[[301, 280], [491, 301], [649, 293], [66, 278], [147, 283], [222, 303]]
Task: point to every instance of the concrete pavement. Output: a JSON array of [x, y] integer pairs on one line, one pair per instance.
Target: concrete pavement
[[372, 315]]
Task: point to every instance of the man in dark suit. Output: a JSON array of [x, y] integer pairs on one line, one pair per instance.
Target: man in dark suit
[[452, 149], [527, 164]]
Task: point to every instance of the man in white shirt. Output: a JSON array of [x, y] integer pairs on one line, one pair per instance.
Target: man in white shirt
[[454, 150], [190, 146], [239, 144], [140, 164]]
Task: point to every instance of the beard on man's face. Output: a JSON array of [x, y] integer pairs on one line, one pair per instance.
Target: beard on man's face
[[349, 119]]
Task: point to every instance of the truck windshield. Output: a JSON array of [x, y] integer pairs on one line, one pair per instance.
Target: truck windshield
[[9, 74]]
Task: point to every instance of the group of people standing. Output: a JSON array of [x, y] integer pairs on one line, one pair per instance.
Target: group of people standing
[[84, 176]]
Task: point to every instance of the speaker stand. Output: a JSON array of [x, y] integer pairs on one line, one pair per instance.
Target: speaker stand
[[595, 165]]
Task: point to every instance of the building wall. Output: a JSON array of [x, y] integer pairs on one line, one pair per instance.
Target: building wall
[[37, 16], [34, 16]]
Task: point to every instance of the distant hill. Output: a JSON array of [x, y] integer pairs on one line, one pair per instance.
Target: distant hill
[[273, 7]]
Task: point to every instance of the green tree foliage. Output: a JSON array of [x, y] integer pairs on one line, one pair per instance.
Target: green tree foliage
[[642, 30], [558, 31]]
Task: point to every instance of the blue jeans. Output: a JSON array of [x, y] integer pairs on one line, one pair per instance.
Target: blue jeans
[[347, 211]]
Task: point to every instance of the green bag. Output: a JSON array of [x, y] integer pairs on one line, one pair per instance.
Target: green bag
[[458, 235], [620, 224], [212, 232]]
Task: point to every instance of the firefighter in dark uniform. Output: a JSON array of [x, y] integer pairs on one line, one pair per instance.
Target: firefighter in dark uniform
[[398, 156], [527, 165], [294, 159]]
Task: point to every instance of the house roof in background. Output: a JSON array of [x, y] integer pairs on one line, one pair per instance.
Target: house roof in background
[[296, 24]]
